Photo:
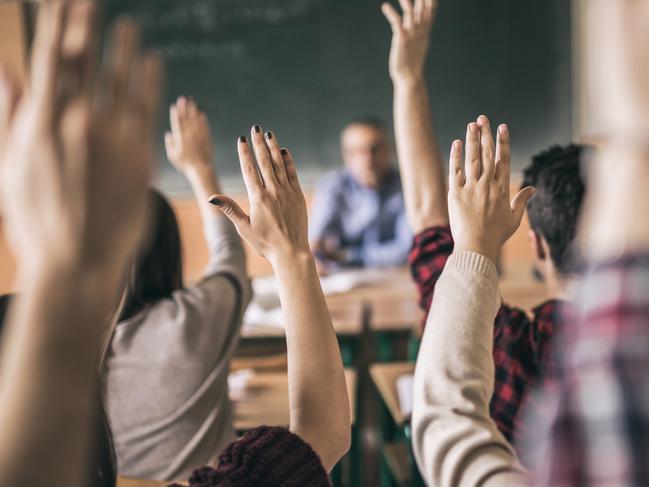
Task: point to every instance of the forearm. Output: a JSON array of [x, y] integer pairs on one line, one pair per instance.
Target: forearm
[[51, 350], [205, 183], [455, 440], [317, 390], [420, 161], [617, 199]]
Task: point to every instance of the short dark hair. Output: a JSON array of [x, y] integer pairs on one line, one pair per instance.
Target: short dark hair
[[157, 270], [368, 121], [554, 210]]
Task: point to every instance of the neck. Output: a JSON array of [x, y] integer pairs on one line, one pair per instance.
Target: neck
[[557, 285]]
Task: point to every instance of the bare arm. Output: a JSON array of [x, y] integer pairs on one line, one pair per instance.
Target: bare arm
[[277, 229], [73, 189], [189, 149], [419, 157]]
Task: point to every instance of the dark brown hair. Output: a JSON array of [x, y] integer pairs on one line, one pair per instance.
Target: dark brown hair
[[157, 270]]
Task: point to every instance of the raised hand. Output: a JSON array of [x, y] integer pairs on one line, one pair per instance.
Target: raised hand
[[76, 164], [410, 36], [277, 225], [481, 214], [189, 144]]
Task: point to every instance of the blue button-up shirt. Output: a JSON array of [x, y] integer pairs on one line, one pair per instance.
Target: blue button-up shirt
[[368, 226]]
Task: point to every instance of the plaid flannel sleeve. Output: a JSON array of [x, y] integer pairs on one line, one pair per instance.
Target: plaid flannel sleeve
[[428, 255], [519, 343], [599, 434]]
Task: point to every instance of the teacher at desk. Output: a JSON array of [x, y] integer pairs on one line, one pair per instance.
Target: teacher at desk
[[358, 216]]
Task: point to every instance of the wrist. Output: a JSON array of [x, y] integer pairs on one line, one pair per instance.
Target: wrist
[[204, 177], [408, 80], [291, 258], [490, 251]]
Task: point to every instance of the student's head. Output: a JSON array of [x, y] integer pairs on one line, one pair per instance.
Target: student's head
[[157, 270], [366, 150], [554, 210]]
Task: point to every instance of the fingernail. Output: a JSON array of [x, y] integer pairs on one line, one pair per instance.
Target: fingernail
[[242, 139], [284, 152], [473, 128], [256, 128], [456, 145], [503, 129], [215, 201], [269, 135]]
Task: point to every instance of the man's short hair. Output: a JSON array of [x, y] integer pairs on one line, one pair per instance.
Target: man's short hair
[[554, 210], [368, 121]]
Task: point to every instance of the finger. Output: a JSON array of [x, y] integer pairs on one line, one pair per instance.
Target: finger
[[170, 147], [406, 6], [393, 17], [233, 211], [148, 79], [263, 157], [249, 170], [519, 203], [8, 101], [46, 57], [80, 47], [181, 109], [430, 8], [276, 157], [503, 155], [192, 110], [174, 122], [486, 148], [75, 134], [455, 173], [418, 12], [125, 41], [291, 170], [472, 153]]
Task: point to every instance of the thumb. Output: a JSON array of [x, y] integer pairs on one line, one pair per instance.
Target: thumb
[[392, 16], [519, 203], [233, 211]]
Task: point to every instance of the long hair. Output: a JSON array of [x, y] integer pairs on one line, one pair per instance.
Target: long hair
[[157, 269]]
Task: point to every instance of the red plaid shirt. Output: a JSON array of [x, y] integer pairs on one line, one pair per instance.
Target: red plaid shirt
[[520, 349], [593, 424]]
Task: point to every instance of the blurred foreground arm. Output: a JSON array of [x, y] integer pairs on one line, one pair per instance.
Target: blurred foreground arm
[[75, 163]]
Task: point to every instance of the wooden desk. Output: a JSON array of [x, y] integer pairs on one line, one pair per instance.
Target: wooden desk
[[384, 376], [265, 400], [392, 302], [347, 319]]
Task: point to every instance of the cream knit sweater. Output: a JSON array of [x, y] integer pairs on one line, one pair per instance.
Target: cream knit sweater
[[456, 442]]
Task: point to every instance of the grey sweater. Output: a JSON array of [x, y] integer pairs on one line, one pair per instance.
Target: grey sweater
[[167, 369]]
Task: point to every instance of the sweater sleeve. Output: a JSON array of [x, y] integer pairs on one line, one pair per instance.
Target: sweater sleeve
[[265, 456], [454, 438]]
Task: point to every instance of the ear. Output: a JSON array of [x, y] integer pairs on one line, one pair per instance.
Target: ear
[[538, 244]]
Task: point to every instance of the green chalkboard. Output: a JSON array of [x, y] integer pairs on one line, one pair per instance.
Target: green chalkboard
[[304, 67]]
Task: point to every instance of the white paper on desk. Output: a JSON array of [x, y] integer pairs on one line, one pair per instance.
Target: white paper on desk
[[257, 315], [404, 393], [264, 309], [344, 281], [237, 383]]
